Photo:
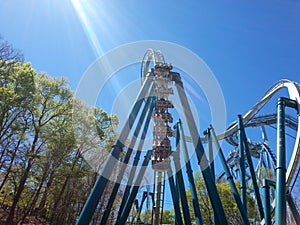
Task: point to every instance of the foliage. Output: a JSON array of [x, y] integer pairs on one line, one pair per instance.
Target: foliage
[[228, 201], [168, 216], [43, 172]]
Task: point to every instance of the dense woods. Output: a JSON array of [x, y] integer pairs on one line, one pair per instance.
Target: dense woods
[[43, 176]]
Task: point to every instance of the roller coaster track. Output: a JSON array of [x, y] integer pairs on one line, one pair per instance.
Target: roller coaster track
[[154, 59], [250, 119]]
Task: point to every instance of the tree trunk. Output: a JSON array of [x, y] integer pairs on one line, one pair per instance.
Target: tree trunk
[[17, 197], [10, 165], [23, 180], [36, 195], [41, 208], [58, 199]]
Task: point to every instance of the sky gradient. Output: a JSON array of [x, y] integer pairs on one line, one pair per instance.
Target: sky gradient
[[248, 45]]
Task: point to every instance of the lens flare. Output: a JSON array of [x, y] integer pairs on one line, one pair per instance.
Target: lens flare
[[86, 13]]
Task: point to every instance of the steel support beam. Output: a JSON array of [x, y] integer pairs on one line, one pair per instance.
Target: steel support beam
[[267, 202], [206, 172], [280, 208], [251, 167], [211, 161], [191, 180], [126, 160], [180, 181], [242, 174], [132, 196], [175, 197], [293, 208], [98, 189], [229, 177], [135, 162]]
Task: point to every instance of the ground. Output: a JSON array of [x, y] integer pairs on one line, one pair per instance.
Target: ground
[[30, 220]]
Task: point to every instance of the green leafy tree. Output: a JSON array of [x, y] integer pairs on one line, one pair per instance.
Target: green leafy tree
[[42, 168], [168, 217], [228, 201]]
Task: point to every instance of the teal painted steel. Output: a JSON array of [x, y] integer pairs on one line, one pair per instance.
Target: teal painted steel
[[206, 172], [207, 133], [242, 174], [280, 208], [175, 198], [211, 162], [251, 168], [98, 189], [293, 208], [125, 162], [267, 203], [230, 179], [132, 196], [135, 161], [189, 172], [180, 181]]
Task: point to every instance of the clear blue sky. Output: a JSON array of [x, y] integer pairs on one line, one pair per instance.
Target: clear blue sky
[[248, 45]]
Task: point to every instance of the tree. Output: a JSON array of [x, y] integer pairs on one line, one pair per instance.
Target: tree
[[42, 168], [228, 201], [167, 218]]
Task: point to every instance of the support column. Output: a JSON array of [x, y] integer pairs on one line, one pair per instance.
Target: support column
[[98, 189], [206, 172], [180, 181], [125, 161], [189, 172], [280, 208], [175, 198], [242, 174], [207, 133], [230, 180], [251, 168], [135, 161], [132, 196], [157, 212], [267, 203]]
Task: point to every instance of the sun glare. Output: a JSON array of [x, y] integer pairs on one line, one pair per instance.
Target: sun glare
[[88, 16]]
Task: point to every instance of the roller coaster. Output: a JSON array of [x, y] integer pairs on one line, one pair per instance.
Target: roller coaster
[[245, 163]]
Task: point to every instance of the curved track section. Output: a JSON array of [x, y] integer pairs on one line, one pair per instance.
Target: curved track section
[[294, 94], [151, 56]]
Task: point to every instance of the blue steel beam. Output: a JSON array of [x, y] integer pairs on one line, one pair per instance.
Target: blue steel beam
[[211, 161], [206, 172], [125, 161], [189, 172], [98, 189], [136, 160], [180, 181], [175, 198], [280, 207], [267, 202], [293, 208], [242, 174], [132, 196], [251, 167], [229, 177]]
